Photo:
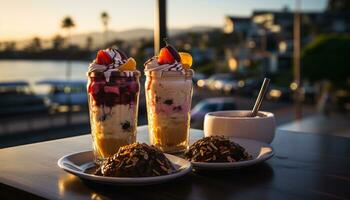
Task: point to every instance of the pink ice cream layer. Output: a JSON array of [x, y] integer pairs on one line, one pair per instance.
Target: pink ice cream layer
[[170, 109]]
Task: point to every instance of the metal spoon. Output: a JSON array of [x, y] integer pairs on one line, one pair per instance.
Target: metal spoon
[[260, 98]]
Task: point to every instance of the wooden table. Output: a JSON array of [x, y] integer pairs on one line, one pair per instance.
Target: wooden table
[[305, 166]]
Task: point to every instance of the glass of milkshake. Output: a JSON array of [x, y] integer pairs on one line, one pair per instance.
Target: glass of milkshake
[[168, 95], [113, 94]]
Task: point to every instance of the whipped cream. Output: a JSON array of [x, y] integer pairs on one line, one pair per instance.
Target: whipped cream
[[153, 65], [118, 60]]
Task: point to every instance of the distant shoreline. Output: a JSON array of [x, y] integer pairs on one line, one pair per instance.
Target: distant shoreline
[[42, 59], [49, 54]]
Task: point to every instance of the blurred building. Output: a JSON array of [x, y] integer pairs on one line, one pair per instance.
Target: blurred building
[[268, 35], [239, 25], [201, 55]]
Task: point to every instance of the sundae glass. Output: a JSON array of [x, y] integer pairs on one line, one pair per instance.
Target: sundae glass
[[113, 94], [168, 96]]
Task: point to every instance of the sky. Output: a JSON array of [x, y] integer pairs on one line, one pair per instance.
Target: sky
[[23, 19]]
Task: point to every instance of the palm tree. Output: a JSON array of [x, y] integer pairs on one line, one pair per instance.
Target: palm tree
[[35, 45], [10, 46], [57, 42], [105, 19], [68, 24]]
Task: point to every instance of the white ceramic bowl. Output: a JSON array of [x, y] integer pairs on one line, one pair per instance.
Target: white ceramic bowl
[[234, 124]]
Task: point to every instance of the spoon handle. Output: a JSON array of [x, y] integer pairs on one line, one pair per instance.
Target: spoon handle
[[260, 97]]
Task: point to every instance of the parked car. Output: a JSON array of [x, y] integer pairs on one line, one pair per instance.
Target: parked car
[[63, 94], [17, 98], [198, 76], [226, 85], [249, 86], [279, 93], [210, 105], [217, 81]]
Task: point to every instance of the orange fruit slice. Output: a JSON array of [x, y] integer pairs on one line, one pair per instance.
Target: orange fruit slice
[[186, 59], [130, 65]]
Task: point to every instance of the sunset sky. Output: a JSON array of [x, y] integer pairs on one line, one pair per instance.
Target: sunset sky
[[22, 19]]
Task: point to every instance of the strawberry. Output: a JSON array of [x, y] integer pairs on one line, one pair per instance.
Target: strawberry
[[103, 58], [165, 57], [168, 55]]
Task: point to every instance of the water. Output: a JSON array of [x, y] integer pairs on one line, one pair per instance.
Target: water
[[36, 70]]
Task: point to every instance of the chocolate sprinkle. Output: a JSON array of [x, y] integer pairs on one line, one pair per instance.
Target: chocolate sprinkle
[[216, 149], [168, 102], [136, 160], [126, 126]]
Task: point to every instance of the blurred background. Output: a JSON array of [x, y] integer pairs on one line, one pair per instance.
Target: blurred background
[[303, 46]]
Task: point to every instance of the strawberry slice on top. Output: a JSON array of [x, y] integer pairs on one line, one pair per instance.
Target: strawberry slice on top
[[165, 57], [168, 55], [103, 58]]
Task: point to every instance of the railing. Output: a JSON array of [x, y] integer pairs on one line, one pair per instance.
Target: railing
[[14, 125]]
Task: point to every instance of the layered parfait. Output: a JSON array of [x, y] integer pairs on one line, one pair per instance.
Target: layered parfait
[[113, 93], [168, 94]]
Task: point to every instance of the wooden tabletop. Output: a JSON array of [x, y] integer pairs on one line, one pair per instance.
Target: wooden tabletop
[[305, 166]]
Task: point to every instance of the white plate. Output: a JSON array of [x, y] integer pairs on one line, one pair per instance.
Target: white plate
[[260, 152], [77, 163]]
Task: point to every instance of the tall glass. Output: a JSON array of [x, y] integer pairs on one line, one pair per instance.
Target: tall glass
[[113, 107], [168, 97]]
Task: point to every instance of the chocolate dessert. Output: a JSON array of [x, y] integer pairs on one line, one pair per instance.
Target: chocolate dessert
[[136, 160], [216, 149]]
